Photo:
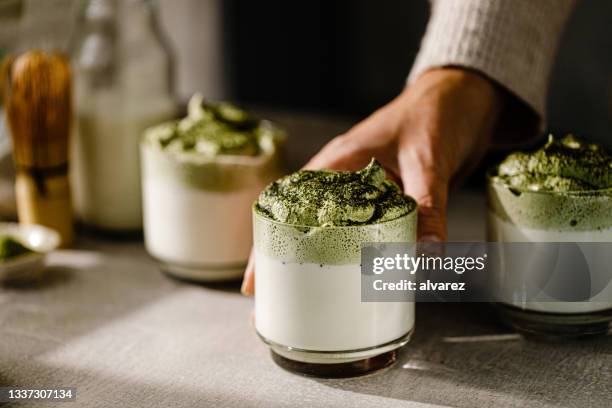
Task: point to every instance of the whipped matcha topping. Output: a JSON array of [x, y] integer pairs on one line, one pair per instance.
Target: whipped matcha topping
[[565, 165], [212, 129], [577, 173], [334, 198], [217, 147]]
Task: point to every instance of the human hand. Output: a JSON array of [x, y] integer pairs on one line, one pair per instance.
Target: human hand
[[437, 128]]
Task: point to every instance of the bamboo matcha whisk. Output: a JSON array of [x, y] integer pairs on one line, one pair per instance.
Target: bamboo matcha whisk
[[37, 101]]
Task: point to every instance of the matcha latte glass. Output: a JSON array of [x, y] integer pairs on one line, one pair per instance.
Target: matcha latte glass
[[308, 306], [200, 176], [560, 193]]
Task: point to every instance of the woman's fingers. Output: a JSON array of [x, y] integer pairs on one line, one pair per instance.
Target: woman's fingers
[[248, 282], [429, 188], [341, 153], [372, 137]]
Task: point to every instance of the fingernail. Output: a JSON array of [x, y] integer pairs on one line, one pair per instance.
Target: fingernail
[[243, 289], [430, 238]]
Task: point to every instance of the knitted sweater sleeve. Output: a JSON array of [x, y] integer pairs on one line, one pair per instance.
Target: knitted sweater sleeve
[[513, 42]]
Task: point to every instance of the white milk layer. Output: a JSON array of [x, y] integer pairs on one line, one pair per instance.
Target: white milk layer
[[500, 230], [318, 308], [197, 228]]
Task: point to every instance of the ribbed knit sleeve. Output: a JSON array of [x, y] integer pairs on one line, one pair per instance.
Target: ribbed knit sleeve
[[510, 41]]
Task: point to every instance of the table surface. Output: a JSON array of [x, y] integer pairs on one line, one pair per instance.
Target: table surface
[[105, 320]]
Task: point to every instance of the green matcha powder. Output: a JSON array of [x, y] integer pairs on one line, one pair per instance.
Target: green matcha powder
[[213, 129], [334, 198], [565, 165], [11, 248]]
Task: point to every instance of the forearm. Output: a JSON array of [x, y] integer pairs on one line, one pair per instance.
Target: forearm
[[511, 42]]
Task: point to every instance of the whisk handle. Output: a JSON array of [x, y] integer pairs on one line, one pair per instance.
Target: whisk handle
[[49, 206]]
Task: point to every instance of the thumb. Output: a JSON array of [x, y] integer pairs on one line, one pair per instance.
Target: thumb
[[429, 188]]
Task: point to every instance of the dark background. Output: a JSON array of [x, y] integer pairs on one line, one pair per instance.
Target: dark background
[[343, 56], [350, 57]]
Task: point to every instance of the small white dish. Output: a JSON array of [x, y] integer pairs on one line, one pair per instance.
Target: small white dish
[[27, 267]]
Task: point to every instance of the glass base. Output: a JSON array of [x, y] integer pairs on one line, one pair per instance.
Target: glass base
[[337, 364], [556, 326], [338, 370], [203, 273]]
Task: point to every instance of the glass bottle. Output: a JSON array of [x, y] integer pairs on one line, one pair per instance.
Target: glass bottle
[[122, 86]]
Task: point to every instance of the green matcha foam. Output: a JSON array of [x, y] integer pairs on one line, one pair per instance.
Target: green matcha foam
[[11, 248], [324, 216], [213, 129], [566, 185], [568, 164], [335, 198], [216, 147]]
